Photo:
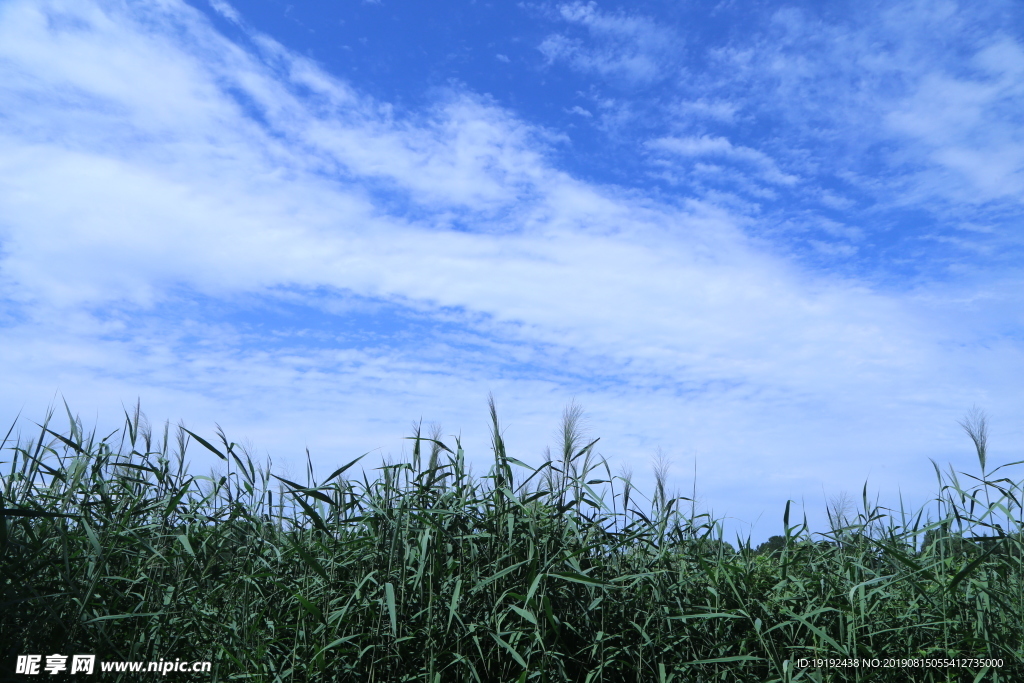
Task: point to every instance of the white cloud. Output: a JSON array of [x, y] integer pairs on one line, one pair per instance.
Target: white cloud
[[711, 146], [833, 249], [927, 95], [639, 29], [970, 125], [835, 201], [627, 46], [226, 10], [718, 110]]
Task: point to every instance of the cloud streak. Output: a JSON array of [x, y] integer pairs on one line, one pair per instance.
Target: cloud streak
[[630, 47], [709, 146]]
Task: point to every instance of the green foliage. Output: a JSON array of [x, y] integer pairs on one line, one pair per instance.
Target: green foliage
[[425, 574]]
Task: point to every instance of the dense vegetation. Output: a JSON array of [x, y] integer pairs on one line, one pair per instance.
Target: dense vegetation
[[427, 574]]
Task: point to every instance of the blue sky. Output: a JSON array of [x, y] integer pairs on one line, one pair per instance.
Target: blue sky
[[776, 243]]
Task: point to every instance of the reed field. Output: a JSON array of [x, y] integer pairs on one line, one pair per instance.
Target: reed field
[[110, 546]]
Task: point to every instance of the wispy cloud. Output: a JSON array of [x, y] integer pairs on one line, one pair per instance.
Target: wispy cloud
[[226, 10], [710, 146], [717, 110], [942, 113], [969, 124], [628, 46]]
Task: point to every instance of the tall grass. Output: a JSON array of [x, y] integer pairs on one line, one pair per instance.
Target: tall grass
[[427, 574]]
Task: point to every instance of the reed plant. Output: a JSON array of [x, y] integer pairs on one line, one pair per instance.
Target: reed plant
[[557, 573]]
